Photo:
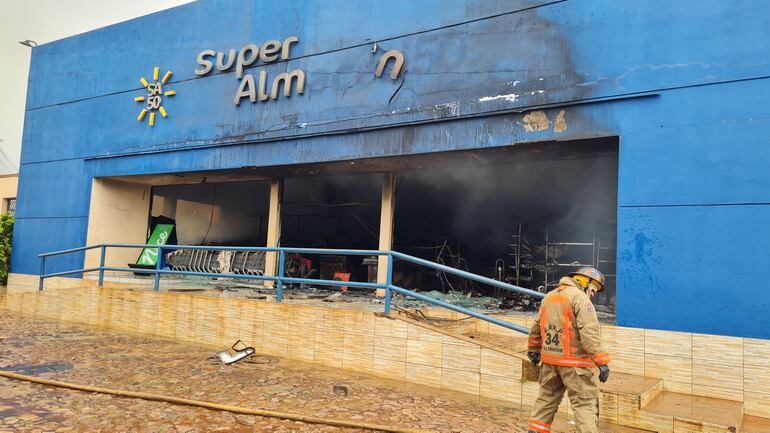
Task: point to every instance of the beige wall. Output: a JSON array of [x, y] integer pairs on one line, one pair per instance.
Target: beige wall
[[118, 214], [227, 213], [8, 186]]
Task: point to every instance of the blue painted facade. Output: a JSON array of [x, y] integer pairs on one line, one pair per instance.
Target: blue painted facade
[[683, 84]]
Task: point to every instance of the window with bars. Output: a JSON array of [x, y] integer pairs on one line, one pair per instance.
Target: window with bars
[[11, 206]]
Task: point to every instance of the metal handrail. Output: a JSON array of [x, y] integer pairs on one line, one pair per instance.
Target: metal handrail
[[72, 250], [459, 309], [470, 276], [280, 279]]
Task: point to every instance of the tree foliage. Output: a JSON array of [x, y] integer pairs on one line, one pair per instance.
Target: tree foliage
[[6, 235]]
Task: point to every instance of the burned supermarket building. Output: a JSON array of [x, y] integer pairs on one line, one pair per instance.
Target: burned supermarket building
[[512, 139]]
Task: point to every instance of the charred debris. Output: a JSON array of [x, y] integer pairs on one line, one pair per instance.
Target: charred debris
[[525, 220]]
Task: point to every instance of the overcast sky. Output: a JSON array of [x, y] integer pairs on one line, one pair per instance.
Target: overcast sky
[[45, 21]]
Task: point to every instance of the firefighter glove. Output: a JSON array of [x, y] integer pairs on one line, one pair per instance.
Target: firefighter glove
[[604, 373], [534, 357]]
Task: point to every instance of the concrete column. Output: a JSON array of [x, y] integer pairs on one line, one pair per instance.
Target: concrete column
[[386, 227], [117, 215], [273, 228]]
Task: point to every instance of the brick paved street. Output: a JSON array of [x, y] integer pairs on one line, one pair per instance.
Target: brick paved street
[[92, 357]]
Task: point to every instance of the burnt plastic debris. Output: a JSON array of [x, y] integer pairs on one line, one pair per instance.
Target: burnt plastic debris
[[227, 357]]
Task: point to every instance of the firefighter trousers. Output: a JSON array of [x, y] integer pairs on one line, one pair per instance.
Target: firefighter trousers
[[582, 385]]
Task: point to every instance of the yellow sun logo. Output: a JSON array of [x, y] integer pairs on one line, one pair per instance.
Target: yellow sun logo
[[153, 102]]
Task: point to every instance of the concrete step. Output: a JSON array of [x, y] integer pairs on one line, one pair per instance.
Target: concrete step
[[454, 332], [626, 391], [516, 343], [631, 385], [566, 424], [617, 428], [755, 424], [675, 412]]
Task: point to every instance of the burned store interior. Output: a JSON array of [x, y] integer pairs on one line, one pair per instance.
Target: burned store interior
[[524, 214]]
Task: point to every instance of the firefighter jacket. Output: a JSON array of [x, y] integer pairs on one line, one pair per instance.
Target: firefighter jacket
[[566, 331]]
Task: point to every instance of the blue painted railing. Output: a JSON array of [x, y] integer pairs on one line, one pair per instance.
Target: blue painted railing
[[280, 278]]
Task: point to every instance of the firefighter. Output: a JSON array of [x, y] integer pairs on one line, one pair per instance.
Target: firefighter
[[566, 338]]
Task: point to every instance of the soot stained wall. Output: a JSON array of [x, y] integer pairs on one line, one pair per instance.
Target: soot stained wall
[[227, 213]]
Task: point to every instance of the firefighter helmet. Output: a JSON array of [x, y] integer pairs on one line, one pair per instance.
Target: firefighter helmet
[[592, 274]]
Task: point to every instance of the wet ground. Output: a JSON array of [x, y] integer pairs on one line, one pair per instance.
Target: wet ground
[[87, 356]]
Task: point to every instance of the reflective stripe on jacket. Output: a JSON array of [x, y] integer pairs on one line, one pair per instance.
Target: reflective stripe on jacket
[[566, 331]]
